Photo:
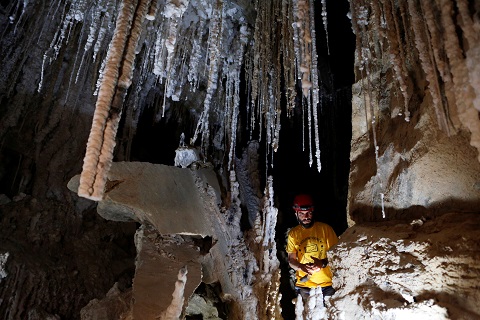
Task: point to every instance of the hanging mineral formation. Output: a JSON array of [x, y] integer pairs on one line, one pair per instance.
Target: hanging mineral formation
[[152, 30], [115, 81]]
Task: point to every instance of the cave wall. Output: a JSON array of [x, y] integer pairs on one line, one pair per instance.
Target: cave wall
[[415, 111], [411, 249]]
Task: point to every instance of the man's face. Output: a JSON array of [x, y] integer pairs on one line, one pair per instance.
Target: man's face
[[305, 218]]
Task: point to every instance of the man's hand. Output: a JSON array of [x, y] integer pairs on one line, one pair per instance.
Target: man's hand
[[305, 268], [318, 264], [308, 268]]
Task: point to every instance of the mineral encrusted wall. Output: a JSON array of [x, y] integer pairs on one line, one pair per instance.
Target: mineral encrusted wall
[[414, 189], [415, 114]]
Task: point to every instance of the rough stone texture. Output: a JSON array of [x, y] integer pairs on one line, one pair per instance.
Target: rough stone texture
[[200, 306], [425, 269], [163, 196], [412, 248], [173, 202], [58, 261], [115, 305], [419, 169], [424, 166], [159, 258]]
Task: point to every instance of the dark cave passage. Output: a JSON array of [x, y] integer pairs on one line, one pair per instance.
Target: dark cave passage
[[291, 170]]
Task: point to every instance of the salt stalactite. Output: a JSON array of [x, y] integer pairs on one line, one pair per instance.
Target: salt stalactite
[[325, 21], [306, 60], [160, 52], [3, 262], [360, 22], [52, 12], [196, 54], [174, 310], [107, 24], [466, 22], [471, 28], [437, 63], [309, 120], [234, 90], [54, 47], [255, 71], [315, 90], [364, 56], [173, 11], [358, 16], [356, 19], [18, 16], [214, 45], [396, 53], [115, 82], [96, 17], [152, 10], [100, 17], [262, 64], [270, 114], [377, 26], [288, 55], [462, 87]]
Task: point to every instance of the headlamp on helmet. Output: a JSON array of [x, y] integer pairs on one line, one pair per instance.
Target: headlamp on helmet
[[303, 202]]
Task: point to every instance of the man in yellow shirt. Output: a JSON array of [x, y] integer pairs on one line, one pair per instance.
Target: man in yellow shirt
[[307, 248]]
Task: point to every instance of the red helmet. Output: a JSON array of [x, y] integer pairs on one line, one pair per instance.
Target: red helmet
[[303, 202]]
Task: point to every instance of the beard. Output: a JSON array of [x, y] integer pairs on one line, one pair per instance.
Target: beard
[[306, 223]]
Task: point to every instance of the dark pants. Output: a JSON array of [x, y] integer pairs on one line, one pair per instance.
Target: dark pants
[[305, 292]]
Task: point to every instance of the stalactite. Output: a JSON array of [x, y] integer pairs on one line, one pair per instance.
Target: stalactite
[[396, 53], [315, 90], [463, 91], [471, 29], [305, 39], [365, 68], [466, 22], [54, 47], [309, 120], [324, 20], [288, 54], [173, 11], [377, 26], [435, 38], [437, 65], [194, 70], [160, 52], [454, 53], [214, 44], [359, 23], [255, 69], [233, 93], [115, 82], [107, 24], [357, 20], [152, 10]]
